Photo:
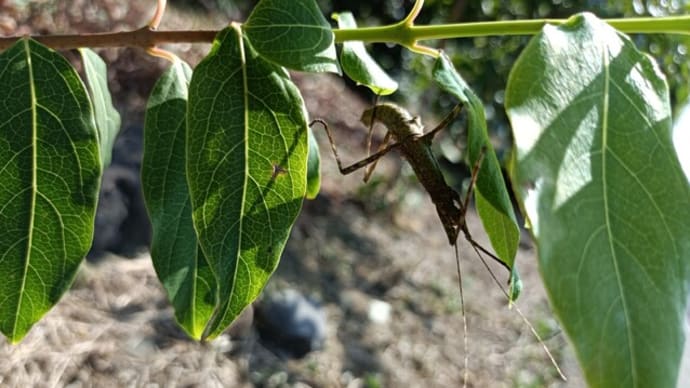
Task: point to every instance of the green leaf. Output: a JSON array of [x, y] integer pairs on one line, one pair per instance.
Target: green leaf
[[293, 34], [313, 167], [359, 65], [179, 262], [606, 198], [491, 196], [48, 182], [107, 118], [246, 166], [515, 285]]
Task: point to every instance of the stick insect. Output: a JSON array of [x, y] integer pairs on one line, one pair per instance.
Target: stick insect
[[415, 145], [408, 135]]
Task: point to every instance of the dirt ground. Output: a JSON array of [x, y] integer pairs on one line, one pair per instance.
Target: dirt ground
[[353, 246]]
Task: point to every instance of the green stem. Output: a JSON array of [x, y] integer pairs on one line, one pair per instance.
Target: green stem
[[404, 33], [416, 9], [408, 35]]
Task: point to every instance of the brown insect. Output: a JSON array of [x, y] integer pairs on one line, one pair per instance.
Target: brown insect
[[408, 134]]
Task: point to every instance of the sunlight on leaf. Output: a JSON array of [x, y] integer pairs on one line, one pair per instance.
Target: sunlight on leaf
[[293, 34], [49, 181], [681, 139], [246, 167], [606, 198], [313, 168]]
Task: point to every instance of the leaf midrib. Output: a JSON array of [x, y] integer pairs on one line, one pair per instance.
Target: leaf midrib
[[245, 95], [610, 238], [34, 185]]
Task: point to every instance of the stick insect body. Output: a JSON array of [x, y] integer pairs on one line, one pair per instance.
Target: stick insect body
[[415, 145]]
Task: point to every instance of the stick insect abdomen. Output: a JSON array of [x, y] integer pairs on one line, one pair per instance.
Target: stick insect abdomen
[[408, 131]]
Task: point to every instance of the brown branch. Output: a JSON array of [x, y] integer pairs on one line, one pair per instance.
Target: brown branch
[[144, 37]]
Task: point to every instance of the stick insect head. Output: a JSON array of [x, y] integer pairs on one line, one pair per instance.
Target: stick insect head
[[397, 119]]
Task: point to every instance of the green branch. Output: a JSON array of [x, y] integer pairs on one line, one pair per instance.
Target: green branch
[[407, 35], [404, 33]]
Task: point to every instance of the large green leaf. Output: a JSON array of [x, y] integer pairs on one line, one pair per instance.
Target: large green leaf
[[606, 198], [491, 196], [179, 262], [48, 182], [107, 118], [246, 167], [293, 34], [359, 65]]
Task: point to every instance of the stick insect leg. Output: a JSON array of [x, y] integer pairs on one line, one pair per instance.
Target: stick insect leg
[[444, 123], [369, 170], [357, 165], [370, 135], [473, 181]]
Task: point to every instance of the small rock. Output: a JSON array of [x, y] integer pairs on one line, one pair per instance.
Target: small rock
[[222, 344], [379, 311], [290, 324]]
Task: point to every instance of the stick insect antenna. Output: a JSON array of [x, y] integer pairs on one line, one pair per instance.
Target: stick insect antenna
[[369, 170], [465, 336], [445, 122], [536, 335]]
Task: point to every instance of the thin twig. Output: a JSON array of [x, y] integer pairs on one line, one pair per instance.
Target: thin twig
[[144, 37]]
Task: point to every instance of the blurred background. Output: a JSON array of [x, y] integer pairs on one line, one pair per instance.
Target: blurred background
[[366, 293]]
